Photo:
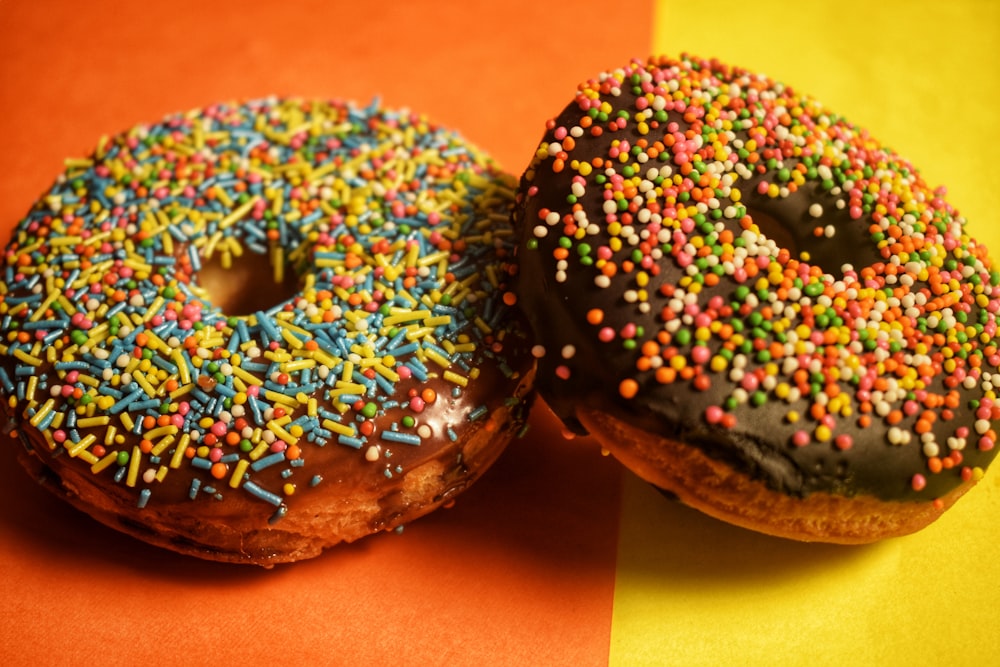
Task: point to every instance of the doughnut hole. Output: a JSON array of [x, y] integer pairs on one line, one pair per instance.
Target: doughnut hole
[[247, 285], [829, 241]]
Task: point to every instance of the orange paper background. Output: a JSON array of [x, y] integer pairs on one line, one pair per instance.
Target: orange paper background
[[556, 557], [521, 570]]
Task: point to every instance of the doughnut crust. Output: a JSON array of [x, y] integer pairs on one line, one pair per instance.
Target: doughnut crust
[[252, 331], [755, 305]]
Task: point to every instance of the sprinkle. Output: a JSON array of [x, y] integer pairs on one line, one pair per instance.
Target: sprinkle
[[405, 438]]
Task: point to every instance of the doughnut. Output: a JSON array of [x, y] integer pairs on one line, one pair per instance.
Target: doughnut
[[252, 331], [756, 306]]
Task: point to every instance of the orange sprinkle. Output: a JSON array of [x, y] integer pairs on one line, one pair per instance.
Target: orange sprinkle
[[628, 388]]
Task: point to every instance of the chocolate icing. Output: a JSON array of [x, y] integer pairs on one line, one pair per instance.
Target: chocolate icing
[[577, 368], [388, 343]]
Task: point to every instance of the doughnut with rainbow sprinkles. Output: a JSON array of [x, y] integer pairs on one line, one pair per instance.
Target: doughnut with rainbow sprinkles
[[252, 331], [755, 305]]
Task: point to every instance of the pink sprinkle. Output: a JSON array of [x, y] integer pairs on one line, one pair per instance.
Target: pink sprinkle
[[713, 414], [563, 372], [800, 438], [700, 354], [918, 482], [606, 334]]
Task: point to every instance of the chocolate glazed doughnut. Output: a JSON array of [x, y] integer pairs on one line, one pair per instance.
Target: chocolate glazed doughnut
[[755, 305], [252, 331]]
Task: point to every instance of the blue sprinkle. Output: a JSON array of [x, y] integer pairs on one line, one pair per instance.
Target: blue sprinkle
[[263, 494], [5, 381], [139, 406], [350, 441], [418, 369], [405, 438], [202, 463], [278, 515], [122, 404], [267, 461]]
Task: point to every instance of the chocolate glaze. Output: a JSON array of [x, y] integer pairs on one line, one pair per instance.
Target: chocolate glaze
[[577, 369], [387, 343]]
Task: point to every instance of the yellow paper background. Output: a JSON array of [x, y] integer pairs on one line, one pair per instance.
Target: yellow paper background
[[923, 78]]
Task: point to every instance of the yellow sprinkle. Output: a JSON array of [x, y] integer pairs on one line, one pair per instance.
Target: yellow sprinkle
[[395, 318], [162, 445], [88, 422], [238, 471], [259, 451], [139, 378], [159, 431], [246, 376], [436, 357], [133, 467], [104, 463], [76, 448], [291, 338], [337, 427], [182, 445], [42, 412], [27, 358], [455, 378], [183, 389], [276, 397]]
